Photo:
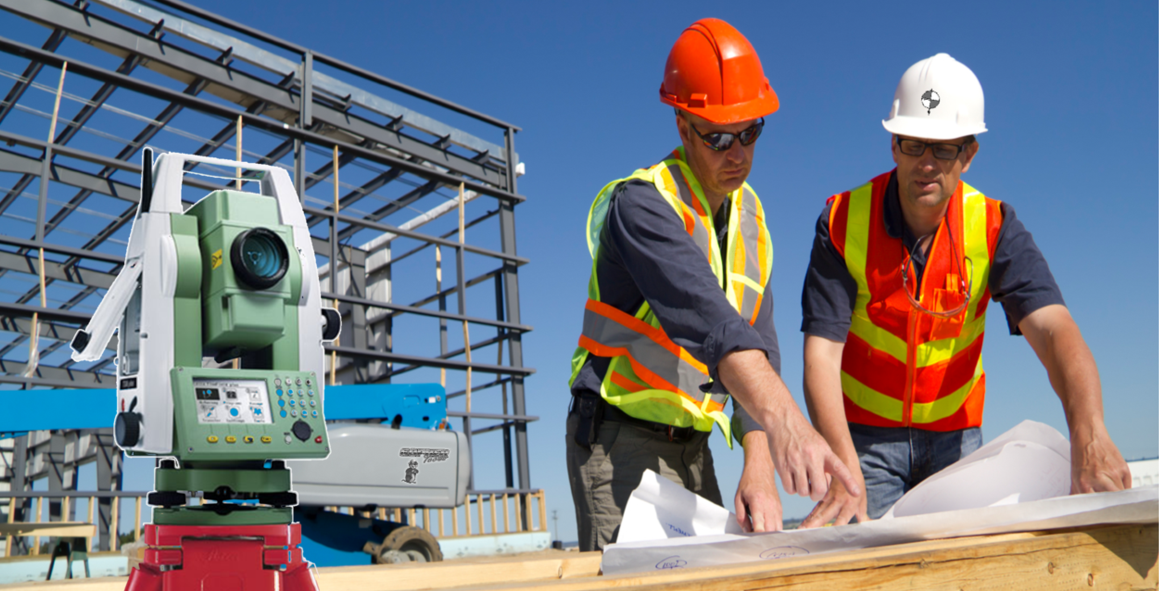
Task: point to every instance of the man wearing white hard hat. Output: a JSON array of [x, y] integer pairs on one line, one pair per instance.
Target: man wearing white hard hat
[[894, 310]]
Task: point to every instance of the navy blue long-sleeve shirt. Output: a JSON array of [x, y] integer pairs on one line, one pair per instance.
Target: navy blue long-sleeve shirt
[[645, 253]]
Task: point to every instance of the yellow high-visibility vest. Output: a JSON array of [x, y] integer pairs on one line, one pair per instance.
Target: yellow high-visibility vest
[[649, 376]]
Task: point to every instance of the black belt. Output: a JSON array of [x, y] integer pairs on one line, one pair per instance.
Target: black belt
[[675, 434]]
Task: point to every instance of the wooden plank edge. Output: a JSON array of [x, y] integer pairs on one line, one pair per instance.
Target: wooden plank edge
[[1101, 550]]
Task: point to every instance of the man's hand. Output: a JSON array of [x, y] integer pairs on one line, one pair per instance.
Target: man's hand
[[758, 505], [804, 459], [1096, 464], [839, 504], [799, 453]]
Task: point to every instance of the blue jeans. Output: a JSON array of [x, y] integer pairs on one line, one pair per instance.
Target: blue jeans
[[896, 459]]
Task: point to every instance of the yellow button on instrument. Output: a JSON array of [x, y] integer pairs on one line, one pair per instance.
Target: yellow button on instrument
[[248, 439], [266, 439], [211, 439], [230, 439]]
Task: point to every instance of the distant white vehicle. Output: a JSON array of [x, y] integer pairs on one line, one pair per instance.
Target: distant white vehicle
[[1144, 472]]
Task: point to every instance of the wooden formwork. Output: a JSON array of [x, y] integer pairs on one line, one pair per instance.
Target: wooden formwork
[[1108, 557]]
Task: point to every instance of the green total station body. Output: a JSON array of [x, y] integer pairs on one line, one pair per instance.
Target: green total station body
[[222, 314]]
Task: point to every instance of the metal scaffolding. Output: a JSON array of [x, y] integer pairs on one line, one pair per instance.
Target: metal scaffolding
[[388, 192]]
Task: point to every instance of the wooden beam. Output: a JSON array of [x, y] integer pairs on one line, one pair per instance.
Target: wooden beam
[[63, 529], [500, 571], [1101, 557], [1115, 557]]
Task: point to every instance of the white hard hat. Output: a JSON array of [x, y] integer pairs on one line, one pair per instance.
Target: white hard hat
[[938, 98]]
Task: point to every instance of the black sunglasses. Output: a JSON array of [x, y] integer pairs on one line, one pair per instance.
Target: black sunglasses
[[721, 141], [941, 151]]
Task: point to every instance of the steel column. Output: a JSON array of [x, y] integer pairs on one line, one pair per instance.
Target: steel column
[[305, 121], [511, 291]]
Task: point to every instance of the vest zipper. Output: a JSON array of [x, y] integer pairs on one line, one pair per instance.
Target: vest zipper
[[911, 362], [913, 319]]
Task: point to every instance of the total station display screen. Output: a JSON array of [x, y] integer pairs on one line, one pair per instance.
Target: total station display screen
[[225, 401]]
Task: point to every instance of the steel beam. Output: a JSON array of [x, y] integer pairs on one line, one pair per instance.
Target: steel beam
[[106, 161], [227, 83], [422, 311], [395, 205], [488, 415], [57, 248], [514, 343], [229, 113], [356, 195], [54, 40], [52, 314], [21, 164], [229, 24], [48, 329], [426, 361], [70, 130], [54, 377], [512, 259], [26, 263], [305, 121]]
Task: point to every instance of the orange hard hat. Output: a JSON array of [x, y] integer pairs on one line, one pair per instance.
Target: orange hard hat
[[714, 72]]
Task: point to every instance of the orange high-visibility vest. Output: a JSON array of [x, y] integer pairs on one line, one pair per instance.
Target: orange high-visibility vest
[[649, 376], [901, 366]]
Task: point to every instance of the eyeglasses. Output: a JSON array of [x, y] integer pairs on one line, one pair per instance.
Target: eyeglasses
[[963, 279], [721, 141], [941, 151]]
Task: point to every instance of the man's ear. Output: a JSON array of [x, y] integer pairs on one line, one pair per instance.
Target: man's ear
[[682, 129], [893, 147], [970, 152]]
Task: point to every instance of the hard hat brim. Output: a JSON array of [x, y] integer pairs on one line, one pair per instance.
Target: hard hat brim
[[729, 114], [930, 129]]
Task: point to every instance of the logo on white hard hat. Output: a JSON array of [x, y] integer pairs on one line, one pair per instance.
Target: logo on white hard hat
[[930, 100]]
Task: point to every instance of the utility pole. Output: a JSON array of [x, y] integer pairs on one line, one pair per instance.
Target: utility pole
[[555, 520]]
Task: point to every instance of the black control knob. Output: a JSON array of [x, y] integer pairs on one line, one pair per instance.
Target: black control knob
[[302, 430], [331, 324], [279, 499], [127, 429], [166, 499]]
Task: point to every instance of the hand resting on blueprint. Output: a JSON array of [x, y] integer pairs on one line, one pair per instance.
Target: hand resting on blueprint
[[758, 505], [800, 454]]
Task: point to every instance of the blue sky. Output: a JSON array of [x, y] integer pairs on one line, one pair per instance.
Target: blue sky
[[1070, 103]]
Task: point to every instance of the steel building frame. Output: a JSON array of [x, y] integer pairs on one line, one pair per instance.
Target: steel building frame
[[198, 64]]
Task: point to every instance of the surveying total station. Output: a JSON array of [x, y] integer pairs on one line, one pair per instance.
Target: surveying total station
[[219, 374]]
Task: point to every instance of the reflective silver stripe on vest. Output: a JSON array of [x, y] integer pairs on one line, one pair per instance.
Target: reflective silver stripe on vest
[[646, 352], [684, 193], [750, 231]]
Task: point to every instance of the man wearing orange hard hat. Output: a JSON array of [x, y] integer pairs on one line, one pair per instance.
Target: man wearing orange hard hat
[[895, 301], [680, 312]]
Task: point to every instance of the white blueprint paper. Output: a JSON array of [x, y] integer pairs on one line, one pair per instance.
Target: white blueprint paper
[[1006, 486], [1139, 505], [1030, 462], [660, 508]]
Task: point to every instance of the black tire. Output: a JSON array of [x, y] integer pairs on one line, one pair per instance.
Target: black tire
[[415, 542]]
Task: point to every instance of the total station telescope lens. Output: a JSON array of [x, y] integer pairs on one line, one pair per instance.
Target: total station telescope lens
[[260, 258]]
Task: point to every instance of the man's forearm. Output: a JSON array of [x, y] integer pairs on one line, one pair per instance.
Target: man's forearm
[[823, 394], [1096, 464], [1069, 364], [756, 448], [751, 380]]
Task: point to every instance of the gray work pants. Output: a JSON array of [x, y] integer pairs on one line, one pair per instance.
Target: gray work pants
[[604, 477]]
